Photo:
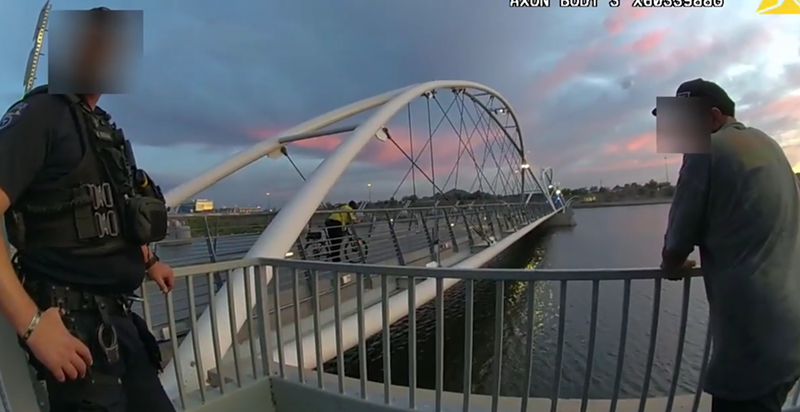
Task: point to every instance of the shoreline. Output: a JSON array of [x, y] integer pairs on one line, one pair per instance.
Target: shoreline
[[637, 202]]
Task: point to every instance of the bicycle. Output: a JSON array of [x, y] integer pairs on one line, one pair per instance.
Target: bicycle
[[318, 245]]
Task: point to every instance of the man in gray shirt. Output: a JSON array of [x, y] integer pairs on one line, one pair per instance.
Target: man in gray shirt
[[739, 202]]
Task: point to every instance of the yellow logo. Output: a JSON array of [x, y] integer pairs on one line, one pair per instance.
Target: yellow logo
[[779, 7]]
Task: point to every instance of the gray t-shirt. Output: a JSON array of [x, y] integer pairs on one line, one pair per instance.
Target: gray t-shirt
[[741, 206]]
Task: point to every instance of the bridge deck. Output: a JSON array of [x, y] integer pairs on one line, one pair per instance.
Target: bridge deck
[[408, 236]]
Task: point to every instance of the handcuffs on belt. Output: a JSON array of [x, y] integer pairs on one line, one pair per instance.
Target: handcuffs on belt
[[110, 346]]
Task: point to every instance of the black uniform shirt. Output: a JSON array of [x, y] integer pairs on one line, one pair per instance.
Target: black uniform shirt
[[39, 143]]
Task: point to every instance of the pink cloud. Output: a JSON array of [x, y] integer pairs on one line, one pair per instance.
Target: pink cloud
[[447, 148], [647, 43], [784, 106], [643, 142], [565, 69], [705, 51], [623, 16]]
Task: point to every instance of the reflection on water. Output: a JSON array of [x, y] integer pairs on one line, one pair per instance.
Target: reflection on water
[[557, 249]]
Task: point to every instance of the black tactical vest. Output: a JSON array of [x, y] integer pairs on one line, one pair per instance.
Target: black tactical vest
[[84, 211]]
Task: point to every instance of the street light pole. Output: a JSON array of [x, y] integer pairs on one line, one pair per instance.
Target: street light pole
[[267, 205], [369, 192]]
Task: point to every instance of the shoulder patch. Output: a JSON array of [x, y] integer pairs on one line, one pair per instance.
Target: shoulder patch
[[12, 115]]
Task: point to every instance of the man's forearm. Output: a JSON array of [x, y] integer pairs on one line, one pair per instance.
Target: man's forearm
[[673, 259], [146, 253], [16, 305]]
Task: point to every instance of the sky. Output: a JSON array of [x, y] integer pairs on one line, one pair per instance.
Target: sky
[[217, 77]]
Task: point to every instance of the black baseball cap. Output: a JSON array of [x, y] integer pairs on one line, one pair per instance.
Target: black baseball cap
[[100, 16], [708, 90]]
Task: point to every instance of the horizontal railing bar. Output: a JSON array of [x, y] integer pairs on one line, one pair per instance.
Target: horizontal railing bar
[[449, 273], [216, 267], [497, 203]]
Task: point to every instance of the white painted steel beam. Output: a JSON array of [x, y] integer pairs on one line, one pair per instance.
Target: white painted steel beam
[[205, 180]]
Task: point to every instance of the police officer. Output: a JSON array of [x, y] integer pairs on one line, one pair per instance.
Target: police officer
[[80, 216]]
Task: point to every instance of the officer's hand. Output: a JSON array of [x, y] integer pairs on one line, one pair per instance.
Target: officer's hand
[[64, 355], [163, 275]]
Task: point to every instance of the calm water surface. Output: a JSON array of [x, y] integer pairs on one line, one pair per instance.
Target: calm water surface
[[627, 237]]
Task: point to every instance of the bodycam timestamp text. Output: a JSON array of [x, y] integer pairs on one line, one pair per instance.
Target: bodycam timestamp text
[[671, 3], [618, 3]]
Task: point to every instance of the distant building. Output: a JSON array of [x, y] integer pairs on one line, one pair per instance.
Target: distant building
[[196, 206], [239, 209]]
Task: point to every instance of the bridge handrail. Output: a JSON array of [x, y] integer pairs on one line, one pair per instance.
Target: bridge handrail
[[523, 275], [390, 393], [272, 335]]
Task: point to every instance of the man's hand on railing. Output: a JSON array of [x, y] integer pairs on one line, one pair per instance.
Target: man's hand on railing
[[162, 275], [679, 272]]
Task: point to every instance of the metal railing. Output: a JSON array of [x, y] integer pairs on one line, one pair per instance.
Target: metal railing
[[391, 236], [553, 365]]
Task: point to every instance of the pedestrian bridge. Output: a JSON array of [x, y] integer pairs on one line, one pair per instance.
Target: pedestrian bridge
[[261, 317]]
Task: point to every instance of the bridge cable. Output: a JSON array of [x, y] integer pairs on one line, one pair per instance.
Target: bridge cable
[[416, 158], [489, 152], [430, 137], [286, 153], [478, 230], [411, 146], [469, 152]]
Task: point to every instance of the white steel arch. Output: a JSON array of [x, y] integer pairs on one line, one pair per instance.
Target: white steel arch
[[280, 235], [205, 180]]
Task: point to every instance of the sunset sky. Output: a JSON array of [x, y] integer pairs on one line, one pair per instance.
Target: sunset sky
[[216, 77]]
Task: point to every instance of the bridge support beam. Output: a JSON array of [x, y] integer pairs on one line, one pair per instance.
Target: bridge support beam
[[566, 218]]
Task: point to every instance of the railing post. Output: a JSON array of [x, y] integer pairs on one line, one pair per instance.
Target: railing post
[[523, 219], [428, 237], [508, 216], [372, 226], [516, 217], [362, 258], [490, 219], [502, 223], [436, 236], [301, 249], [397, 250], [470, 239], [450, 230], [211, 246]]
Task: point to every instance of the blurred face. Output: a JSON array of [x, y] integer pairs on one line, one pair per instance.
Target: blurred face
[[686, 126], [96, 51]]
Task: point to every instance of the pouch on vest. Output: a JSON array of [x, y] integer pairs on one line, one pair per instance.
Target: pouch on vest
[[146, 219]]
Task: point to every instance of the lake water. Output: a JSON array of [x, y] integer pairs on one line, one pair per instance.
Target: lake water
[[627, 237]]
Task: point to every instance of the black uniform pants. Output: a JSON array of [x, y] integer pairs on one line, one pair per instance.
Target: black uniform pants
[[771, 402], [129, 384], [335, 232]]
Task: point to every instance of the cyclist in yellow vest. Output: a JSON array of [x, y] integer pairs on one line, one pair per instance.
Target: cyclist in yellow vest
[[334, 227]]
